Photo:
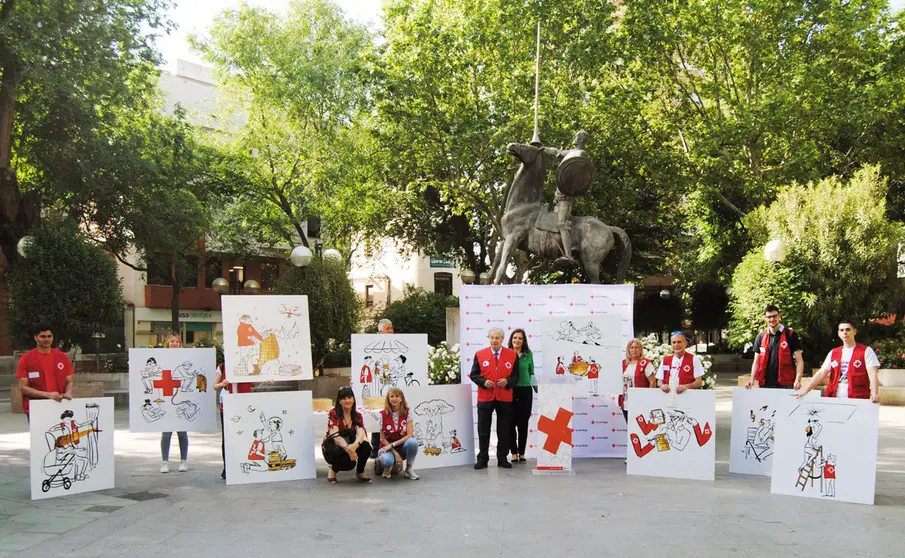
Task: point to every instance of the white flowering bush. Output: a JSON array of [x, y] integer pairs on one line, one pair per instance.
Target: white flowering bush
[[443, 366], [654, 351]]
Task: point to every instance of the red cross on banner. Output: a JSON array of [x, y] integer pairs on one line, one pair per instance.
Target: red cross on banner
[[167, 384], [557, 430]]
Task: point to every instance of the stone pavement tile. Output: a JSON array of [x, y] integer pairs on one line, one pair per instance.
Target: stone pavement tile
[[96, 548], [24, 541]]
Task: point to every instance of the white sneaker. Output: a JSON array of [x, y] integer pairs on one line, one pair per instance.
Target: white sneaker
[[183, 466], [410, 474], [165, 468]]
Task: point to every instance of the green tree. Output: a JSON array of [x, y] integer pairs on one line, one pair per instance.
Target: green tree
[[455, 84], [841, 263], [67, 282], [758, 95], [420, 311], [68, 70], [301, 154], [333, 304]]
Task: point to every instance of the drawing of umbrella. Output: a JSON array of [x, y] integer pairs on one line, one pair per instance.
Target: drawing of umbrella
[[391, 346]]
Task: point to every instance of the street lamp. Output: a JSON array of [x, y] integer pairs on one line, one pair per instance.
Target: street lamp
[[467, 276], [484, 277], [252, 286], [301, 256], [24, 244], [775, 251], [220, 286], [664, 294], [333, 254]]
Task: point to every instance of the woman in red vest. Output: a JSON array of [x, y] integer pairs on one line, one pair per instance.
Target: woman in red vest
[[637, 372], [853, 369], [174, 341], [397, 440], [680, 370]]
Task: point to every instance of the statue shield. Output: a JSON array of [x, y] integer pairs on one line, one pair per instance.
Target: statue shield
[[575, 173]]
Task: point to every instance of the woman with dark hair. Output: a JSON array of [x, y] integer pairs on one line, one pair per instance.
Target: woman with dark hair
[[345, 446], [174, 341], [522, 396]]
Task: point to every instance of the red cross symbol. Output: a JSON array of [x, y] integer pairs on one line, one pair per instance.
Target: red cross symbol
[[167, 384], [557, 430]]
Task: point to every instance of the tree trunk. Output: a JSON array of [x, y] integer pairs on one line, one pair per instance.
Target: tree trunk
[[174, 302]]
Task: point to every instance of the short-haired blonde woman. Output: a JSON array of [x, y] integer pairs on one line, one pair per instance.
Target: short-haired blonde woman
[[397, 440], [637, 372]]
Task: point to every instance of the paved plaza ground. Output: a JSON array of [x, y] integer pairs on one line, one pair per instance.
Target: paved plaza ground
[[449, 512]]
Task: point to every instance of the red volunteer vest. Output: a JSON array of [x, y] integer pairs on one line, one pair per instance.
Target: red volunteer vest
[[829, 471], [786, 361], [686, 369], [494, 372], [234, 388], [858, 380], [640, 380], [393, 431], [46, 380]]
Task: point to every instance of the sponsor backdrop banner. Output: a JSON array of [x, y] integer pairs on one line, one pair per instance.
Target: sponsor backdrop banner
[[599, 428]]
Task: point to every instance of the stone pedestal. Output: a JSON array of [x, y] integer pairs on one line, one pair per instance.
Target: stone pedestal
[[891, 377]]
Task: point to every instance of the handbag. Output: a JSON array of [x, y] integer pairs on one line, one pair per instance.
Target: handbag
[[347, 434]]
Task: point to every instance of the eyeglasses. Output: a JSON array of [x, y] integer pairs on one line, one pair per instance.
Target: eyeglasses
[[677, 332], [772, 316]]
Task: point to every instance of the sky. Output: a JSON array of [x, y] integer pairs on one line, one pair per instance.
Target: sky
[[196, 15]]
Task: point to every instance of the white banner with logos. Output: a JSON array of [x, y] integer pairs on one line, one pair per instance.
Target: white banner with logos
[[599, 426]]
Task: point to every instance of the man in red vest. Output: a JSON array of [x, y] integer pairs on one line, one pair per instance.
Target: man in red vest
[[680, 370], [44, 372], [853, 369], [777, 355], [491, 370]]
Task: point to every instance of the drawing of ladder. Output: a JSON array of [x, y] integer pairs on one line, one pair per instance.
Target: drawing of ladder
[[807, 472]]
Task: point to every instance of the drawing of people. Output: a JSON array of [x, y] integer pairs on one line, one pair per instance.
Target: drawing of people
[[186, 373], [365, 376], [148, 373], [454, 443], [591, 334], [66, 448], [567, 332], [811, 447], [248, 341], [593, 374], [256, 454], [397, 369], [275, 437], [761, 443], [560, 369], [677, 431], [576, 358], [187, 410], [829, 475], [151, 411]]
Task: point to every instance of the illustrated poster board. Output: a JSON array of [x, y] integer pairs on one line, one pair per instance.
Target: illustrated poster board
[[827, 449], [672, 435], [382, 361], [266, 338], [587, 350], [171, 390], [443, 424], [554, 426], [269, 437], [71, 446], [599, 428], [752, 438]]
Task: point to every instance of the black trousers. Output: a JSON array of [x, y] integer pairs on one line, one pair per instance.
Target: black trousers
[[339, 460], [222, 440], [522, 400], [503, 428]]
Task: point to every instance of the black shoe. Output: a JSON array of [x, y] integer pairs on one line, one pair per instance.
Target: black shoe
[[504, 464], [522, 460], [223, 474], [480, 465]]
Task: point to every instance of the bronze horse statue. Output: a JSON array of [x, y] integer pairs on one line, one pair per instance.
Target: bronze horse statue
[[529, 225]]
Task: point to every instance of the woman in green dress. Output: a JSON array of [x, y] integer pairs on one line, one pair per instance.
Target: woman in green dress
[[522, 396]]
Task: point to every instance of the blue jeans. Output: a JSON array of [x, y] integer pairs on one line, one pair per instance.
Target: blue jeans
[[183, 445], [408, 450]]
